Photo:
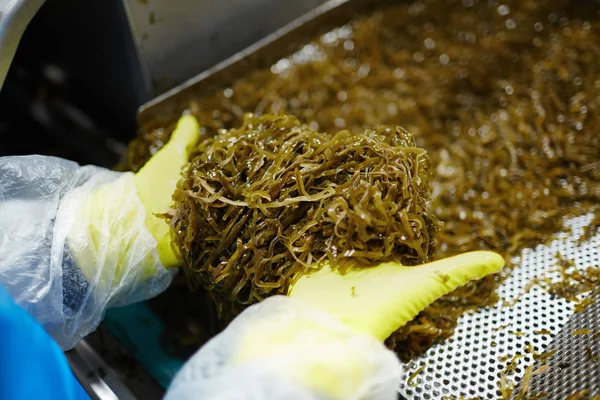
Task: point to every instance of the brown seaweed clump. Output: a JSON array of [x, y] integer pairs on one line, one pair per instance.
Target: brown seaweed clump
[[261, 204], [503, 95]]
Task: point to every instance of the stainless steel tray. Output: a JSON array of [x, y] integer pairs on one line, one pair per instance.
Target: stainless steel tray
[[469, 364], [263, 53]]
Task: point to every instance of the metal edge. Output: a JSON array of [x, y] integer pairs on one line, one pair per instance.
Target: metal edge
[[96, 377], [265, 52], [14, 19], [107, 370], [138, 51]]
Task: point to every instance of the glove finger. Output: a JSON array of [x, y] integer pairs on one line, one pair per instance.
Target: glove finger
[[381, 299]]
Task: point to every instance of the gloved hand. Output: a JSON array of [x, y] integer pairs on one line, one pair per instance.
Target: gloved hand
[[325, 340], [382, 299], [76, 240], [89, 239], [281, 349]]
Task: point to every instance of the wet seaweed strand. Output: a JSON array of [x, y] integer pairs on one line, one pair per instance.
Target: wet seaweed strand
[[267, 202], [504, 96]]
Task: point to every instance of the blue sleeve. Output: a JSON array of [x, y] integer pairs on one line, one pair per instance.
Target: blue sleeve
[[32, 366]]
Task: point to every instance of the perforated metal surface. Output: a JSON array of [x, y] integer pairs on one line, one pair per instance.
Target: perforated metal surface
[[575, 365], [470, 363]]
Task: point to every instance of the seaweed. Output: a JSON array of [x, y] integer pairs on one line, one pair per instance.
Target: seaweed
[[504, 96], [267, 202]]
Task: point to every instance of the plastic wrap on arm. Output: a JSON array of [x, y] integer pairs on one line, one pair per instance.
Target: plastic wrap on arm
[[284, 349], [73, 242]]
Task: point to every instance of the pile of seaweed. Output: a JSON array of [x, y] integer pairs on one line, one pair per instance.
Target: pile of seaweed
[[503, 95], [264, 203]]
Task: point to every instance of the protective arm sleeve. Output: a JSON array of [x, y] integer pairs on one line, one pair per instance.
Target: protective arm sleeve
[[73, 241], [282, 348]]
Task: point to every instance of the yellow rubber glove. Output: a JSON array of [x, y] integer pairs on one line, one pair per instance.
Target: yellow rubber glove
[[381, 299], [117, 238], [371, 302], [115, 231], [156, 182], [281, 349]]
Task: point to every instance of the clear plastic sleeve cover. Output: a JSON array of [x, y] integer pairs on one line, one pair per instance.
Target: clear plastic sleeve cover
[[41, 201], [282, 348]]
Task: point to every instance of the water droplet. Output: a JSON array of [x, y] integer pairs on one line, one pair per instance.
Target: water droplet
[[485, 195], [342, 95], [462, 73], [552, 17], [583, 109], [418, 57], [314, 125], [586, 26], [349, 45], [579, 126], [228, 93], [468, 3], [429, 43], [364, 70], [415, 9], [351, 63], [538, 26], [308, 53], [280, 66], [503, 172], [509, 89], [329, 38], [577, 81], [444, 59], [275, 108], [563, 21], [503, 10], [511, 24], [392, 109], [564, 184], [340, 122], [399, 73], [344, 32], [462, 215], [470, 37], [503, 115]]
